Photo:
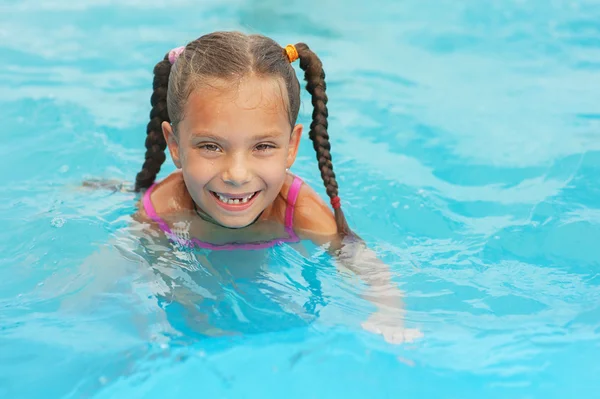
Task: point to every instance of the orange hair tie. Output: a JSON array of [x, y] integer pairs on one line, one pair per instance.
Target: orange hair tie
[[336, 203], [291, 52]]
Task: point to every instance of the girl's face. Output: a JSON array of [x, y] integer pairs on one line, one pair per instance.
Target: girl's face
[[233, 145]]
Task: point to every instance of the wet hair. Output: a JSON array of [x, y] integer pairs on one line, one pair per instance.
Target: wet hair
[[230, 56]]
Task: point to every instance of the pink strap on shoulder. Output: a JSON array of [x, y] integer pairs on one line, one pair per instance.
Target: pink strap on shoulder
[[151, 212], [291, 199]]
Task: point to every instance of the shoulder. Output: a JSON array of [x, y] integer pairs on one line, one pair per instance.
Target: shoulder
[[167, 196], [313, 217]]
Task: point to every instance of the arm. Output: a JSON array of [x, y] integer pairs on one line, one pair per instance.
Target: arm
[[314, 221], [154, 263], [388, 319], [354, 254]]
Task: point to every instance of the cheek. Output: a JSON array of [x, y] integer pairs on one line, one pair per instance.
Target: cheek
[[274, 173], [196, 169]]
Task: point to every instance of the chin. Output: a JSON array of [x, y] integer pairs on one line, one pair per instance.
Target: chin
[[233, 222]]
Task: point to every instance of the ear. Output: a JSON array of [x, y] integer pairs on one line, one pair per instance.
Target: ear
[[293, 147], [172, 143]]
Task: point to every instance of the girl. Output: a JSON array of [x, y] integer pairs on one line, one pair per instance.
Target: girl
[[226, 106]]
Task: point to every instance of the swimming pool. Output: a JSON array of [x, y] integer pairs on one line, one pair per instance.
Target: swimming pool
[[466, 140]]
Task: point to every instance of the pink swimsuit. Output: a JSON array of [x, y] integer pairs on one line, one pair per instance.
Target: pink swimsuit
[[289, 219]]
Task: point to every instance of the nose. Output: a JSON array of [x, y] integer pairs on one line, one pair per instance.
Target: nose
[[237, 173]]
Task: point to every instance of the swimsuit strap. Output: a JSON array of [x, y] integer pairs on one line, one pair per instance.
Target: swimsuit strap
[[151, 212], [291, 200]]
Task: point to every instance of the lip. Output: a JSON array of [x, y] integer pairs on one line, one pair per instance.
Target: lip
[[235, 207]]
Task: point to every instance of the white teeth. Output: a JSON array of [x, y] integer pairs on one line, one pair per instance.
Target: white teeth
[[235, 201]]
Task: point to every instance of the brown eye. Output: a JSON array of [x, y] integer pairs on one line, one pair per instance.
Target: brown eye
[[264, 147], [210, 147]]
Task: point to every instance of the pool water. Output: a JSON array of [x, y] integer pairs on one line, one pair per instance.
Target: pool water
[[466, 140]]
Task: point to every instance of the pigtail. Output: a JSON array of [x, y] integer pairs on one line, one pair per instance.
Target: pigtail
[[315, 85], [155, 141]]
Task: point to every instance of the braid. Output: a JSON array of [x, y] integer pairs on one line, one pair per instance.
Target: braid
[[155, 142], [315, 85]]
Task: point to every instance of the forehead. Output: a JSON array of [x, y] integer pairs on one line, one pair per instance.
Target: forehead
[[250, 104]]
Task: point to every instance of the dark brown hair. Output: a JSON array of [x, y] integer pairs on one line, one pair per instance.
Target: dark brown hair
[[231, 56]]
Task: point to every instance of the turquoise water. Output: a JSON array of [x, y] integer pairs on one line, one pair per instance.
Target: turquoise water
[[466, 138]]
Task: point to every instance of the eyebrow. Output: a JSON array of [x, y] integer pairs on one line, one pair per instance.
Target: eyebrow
[[205, 135], [267, 135], [257, 137]]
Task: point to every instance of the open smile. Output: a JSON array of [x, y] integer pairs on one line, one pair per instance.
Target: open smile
[[235, 202]]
